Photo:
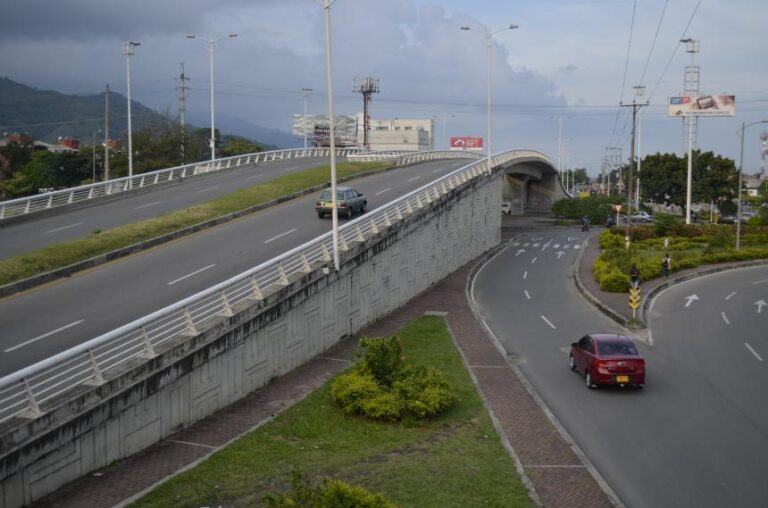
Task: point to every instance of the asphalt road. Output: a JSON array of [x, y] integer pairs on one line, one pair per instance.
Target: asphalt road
[[37, 233], [39, 323], [697, 435]]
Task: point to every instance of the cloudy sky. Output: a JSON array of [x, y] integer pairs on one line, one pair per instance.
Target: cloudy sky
[[569, 59]]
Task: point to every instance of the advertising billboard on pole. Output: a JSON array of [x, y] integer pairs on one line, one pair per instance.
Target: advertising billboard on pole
[[706, 105], [466, 143]]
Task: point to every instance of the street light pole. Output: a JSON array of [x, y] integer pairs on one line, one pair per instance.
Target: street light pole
[[741, 172], [211, 42], [326, 5], [306, 92], [488, 40], [128, 52]]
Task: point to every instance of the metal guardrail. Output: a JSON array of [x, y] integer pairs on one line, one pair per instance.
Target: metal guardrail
[[48, 200], [22, 392]]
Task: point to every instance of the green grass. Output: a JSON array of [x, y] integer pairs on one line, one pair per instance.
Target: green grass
[[100, 242], [456, 459]]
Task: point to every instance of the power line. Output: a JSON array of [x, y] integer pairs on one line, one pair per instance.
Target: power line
[[653, 44], [626, 66]]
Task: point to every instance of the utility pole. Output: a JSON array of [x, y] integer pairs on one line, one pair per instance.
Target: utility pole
[[635, 107], [182, 88], [106, 134], [367, 87]]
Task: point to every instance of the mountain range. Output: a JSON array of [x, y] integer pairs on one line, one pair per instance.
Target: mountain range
[[48, 115]]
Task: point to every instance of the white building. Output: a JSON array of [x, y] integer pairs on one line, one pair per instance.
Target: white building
[[398, 134]]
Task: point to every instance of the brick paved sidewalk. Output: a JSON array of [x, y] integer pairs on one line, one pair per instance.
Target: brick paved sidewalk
[[547, 461]]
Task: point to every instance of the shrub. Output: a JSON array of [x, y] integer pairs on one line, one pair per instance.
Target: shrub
[[381, 358], [615, 281], [330, 493], [663, 222], [424, 391], [352, 388], [385, 405], [610, 240]]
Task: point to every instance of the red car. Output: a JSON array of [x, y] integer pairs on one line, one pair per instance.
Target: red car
[[607, 359]]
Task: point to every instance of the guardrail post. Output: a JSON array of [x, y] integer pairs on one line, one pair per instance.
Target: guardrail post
[[419, 203], [282, 277], [325, 254], [149, 351], [2, 212], [387, 222], [97, 379], [343, 244], [360, 237], [71, 197], [50, 201], [226, 308], [374, 228], [256, 293], [398, 214], [305, 266], [189, 323], [408, 208], [33, 409], [90, 193]]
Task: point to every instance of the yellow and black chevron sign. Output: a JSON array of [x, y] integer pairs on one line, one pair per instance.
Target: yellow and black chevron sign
[[634, 298]]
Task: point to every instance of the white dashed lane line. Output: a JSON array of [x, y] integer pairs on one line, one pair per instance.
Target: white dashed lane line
[[414, 178], [730, 296], [525, 275], [208, 189], [62, 228], [147, 205], [548, 322], [39, 337], [534, 260], [725, 318], [191, 274], [280, 235], [527, 295], [383, 191], [753, 352]]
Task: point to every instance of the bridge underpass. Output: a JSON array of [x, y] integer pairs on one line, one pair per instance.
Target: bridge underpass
[[530, 183]]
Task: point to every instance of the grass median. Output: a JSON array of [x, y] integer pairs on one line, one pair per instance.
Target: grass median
[[456, 459], [100, 242]]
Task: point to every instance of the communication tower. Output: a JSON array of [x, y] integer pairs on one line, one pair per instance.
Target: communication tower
[[366, 86]]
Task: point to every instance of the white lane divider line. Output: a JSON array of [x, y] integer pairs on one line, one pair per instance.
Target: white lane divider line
[[759, 282], [30, 341], [147, 205], [535, 244], [291, 168], [753, 352], [525, 275], [253, 177], [548, 322], [577, 246], [441, 169], [527, 295], [191, 274], [516, 244], [526, 244], [566, 246], [730, 296], [62, 228], [725, 318], [414, 178], [534, 260], [280, 235], [208, 189], [383, 191], [557, 245]]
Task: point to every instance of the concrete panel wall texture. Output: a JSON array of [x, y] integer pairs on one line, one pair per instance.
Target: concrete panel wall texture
[[196, 376]]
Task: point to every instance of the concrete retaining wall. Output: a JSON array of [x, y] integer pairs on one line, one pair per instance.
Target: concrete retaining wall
[[93, 426]]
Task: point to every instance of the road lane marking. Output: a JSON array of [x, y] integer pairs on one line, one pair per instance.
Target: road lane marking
[[535, 244], [725, 318], [546, 246], [526, 244], [30, 341], [525, 275], [690, 299], [760, 304], [208, 189], [516, 244], [556, 246], [414, 179], [147, 205], [548, 322], [753, 352], [438, 170], [730, 296], [759, 282], [385, 190], [191, 274], [65, 227], [560, 254], [577, 246], [527, 295], [291, 168], [280, 236], [253, 177], [534, 260], [566, 246]]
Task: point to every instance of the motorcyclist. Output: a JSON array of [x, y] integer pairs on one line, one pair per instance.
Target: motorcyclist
[[585, 223]]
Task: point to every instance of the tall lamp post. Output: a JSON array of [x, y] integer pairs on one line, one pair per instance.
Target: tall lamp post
[[326, 5], [488, 40], [94, 154], [305, 92], [741, 172], [128, 52], [211, 42]]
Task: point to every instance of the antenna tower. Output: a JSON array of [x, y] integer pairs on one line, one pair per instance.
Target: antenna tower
[[182, 88], [366, 86]]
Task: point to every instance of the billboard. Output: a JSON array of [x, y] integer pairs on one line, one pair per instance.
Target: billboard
[[706, 105], [318, 129], [466, 143]]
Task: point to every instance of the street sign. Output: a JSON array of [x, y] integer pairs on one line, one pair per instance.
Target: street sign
[[634, 298]]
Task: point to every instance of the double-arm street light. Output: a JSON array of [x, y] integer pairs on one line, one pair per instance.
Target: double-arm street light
[[741, 172], [128, 52], [211, 42], [488, 41]]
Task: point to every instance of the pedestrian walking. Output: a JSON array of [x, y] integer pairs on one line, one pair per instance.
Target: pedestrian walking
[[634, 275], [666, 266]]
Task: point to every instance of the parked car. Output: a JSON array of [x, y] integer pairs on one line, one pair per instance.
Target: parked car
[[732, 219], [607, 359], [348, 201], [642, 216]]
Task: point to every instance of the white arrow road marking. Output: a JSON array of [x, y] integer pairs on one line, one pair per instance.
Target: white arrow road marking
[[546, 246], [519, 251], [527, 295], [147, 205], [534, 260], [571, 238], [753, 352], [548, 322], [690, 299], [280, 235], [65, 227], [390, 188], [560, 254], [30, 341], [535, 244], [730, 296], [191, 274], [760, 304], [725, 318], [525, 275]]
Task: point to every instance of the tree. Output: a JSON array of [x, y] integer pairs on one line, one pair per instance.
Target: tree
[[236, 145], [47, 170]]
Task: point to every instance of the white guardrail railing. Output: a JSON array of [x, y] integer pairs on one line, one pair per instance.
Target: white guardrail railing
[[22, 392], [48, 200]]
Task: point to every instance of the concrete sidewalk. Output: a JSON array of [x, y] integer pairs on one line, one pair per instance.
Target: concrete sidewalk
[[549, 464]]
